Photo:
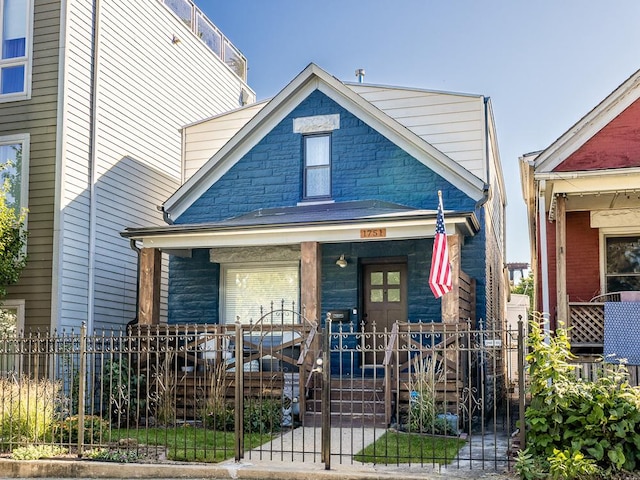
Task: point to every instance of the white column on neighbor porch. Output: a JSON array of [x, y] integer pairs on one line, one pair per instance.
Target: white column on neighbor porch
[[561, 260]]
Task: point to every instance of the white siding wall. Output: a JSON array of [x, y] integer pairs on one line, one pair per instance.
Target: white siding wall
[[148, 87], [450, 122], [204, 139]]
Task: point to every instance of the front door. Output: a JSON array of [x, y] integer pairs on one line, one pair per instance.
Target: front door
[[385, 302]]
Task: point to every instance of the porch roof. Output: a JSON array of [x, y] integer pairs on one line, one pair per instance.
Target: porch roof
[[326, 222]]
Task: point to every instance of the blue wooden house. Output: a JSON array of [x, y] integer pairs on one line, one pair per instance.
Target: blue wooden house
[[325, 197]]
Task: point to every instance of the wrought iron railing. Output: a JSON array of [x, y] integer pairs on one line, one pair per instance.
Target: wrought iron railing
[[214, 392]]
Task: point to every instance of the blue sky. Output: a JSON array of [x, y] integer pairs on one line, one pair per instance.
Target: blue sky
[[544, 63]]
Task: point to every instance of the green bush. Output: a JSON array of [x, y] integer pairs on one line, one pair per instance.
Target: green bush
[[262, 415], [95, 430], [572, 422], [124, 392], [106, 455], [36, 452], [27, 409], [220, 417]]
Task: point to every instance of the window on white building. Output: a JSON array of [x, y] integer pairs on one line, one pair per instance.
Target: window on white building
[[14, 170], [622, 264], [15, 49], [248, 288], [11, 326]]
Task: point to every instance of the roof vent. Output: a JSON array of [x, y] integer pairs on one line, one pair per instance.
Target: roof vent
[[360, 74]]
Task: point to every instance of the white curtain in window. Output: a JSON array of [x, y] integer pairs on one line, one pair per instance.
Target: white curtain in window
[[247, 288]]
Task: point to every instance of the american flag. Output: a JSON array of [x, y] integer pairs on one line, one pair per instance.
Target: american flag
[[440, 276]]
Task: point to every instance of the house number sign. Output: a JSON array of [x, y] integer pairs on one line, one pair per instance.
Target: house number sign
[[373, 233]]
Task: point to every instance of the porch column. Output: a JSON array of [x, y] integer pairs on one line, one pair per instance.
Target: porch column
[[149, 286], [450, 307], [561, 260], [310, 268]]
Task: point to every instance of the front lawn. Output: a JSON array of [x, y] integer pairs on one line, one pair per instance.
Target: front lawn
[[398, 447], [185, 443]]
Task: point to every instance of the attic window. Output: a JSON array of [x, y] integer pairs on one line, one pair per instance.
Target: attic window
[[317, 166]]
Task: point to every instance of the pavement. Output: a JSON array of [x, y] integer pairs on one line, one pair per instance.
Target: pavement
[[280, 460]]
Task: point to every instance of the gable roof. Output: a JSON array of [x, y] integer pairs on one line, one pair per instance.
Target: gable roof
[[310, 79], [589, 125]]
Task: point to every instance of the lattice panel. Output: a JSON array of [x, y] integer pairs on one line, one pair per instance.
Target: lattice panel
[[587, 323]]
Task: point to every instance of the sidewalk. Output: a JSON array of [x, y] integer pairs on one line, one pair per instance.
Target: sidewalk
[[58, 469]]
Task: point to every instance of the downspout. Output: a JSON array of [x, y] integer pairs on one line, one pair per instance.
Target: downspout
[[93, 160], [58, 222], [136, 249], [485, 189], [544, 269]]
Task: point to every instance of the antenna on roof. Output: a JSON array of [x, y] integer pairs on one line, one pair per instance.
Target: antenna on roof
[[360, 74]]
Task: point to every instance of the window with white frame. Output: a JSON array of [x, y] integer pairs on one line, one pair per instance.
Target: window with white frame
[[248, 288], [14, 170], [15, 49], [11, 326], [622, 263], [317, 166]]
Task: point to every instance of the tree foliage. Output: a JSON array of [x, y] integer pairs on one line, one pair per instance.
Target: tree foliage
[[13, 237], [525, 287]]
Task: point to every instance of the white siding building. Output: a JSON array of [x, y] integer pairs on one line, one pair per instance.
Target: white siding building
[[121, 78]]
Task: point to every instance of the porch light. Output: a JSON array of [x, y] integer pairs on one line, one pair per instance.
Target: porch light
[[341, 262]]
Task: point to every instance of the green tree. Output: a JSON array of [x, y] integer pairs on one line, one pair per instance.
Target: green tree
[[525, 287], [13, 235]]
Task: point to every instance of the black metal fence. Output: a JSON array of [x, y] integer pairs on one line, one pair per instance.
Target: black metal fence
[[281, 389]]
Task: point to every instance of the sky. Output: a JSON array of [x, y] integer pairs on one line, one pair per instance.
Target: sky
[[544, 63]]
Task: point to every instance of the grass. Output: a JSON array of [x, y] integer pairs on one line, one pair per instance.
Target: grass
[[397, 447], [190, 444]]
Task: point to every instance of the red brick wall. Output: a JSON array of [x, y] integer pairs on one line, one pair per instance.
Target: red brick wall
[[583, 258], [583, 281]]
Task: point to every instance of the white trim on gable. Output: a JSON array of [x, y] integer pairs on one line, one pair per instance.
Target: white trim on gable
[[310, 79], [594, 121]]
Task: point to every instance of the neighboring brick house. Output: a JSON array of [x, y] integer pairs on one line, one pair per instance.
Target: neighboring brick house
[[326, 196], [583, 199], [92, 98]]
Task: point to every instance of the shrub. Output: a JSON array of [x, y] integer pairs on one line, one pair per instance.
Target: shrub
[[106, 455], [123, 392], [27, 409], [216, 412], [95, 430], [422, 406], [575, 423], [36, 452], [262, 415]]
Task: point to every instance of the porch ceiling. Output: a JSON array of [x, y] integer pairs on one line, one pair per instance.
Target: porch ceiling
[[593, 190], [330, 222]]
